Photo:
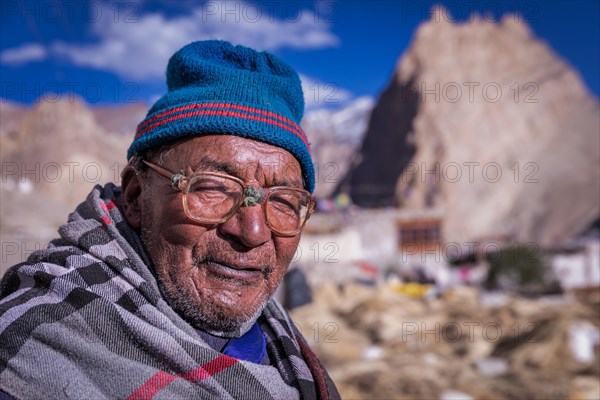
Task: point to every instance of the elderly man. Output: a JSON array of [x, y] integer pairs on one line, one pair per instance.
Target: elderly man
[[162, 288]]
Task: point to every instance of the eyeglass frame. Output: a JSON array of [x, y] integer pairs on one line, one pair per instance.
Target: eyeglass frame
[[180, 180]]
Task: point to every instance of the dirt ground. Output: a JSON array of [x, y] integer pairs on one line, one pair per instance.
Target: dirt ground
[[377, 343]]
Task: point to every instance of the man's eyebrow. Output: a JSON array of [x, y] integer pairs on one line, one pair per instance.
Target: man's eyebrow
[[296, 183], [210, 164], [214, 165]]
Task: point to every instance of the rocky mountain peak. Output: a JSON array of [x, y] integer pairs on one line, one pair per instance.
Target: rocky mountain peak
[[484, 116]]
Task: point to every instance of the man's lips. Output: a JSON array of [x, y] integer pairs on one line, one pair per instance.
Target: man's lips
[[244, 272]]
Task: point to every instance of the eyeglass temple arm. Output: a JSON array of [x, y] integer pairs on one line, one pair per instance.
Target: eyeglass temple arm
[[163, 171]]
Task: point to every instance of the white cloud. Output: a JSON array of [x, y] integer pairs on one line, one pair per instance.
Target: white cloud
[[140, 49], [318, 94], [26, 53]]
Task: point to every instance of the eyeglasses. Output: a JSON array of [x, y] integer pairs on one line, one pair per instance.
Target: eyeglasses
[[213, 198]]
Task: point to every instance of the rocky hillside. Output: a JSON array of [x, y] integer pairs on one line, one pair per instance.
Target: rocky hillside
[[60, 150], [486, 122], [121, 120], [52, 156]]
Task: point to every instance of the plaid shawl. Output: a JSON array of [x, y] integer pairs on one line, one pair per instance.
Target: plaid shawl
[[84, 318]]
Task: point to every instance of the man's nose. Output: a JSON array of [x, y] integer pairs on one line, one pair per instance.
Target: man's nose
[[247, 227]]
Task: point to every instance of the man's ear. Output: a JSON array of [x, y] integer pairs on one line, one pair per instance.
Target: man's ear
[[131, 183]]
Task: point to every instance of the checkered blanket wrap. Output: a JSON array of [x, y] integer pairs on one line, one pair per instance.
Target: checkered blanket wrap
[[84, 319]]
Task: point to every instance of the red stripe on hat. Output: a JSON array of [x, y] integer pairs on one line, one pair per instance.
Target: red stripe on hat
[[225, 114], [294, 127], [161, 379], [106, 220], [162, 114]]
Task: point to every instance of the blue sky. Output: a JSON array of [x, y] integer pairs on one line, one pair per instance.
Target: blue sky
[[116, 52]]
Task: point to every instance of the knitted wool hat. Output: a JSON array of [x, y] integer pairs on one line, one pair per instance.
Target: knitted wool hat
[[218, 88]]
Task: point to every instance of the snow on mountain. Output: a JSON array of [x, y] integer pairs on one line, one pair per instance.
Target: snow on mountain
[[346, 125], [335, 137]]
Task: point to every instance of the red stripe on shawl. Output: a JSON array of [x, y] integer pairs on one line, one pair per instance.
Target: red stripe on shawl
[[315, 368], [161, 379]]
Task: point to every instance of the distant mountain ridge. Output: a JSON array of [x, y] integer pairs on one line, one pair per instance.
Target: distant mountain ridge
[[71, 134]]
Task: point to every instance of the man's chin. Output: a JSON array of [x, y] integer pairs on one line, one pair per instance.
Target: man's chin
[[227, 325], [220, 320], [216, 311]]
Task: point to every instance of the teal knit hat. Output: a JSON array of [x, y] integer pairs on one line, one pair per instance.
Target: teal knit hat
[[218, 88]]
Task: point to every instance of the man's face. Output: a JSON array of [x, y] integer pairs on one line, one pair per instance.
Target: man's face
[[218, 277]]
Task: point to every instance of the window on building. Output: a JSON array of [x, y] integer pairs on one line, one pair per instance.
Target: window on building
[[419, 232]]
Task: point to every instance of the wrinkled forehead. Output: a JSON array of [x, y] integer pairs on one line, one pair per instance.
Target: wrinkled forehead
[[247, 159]]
